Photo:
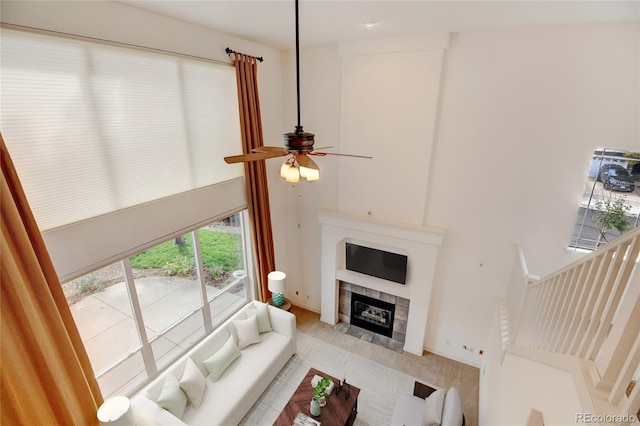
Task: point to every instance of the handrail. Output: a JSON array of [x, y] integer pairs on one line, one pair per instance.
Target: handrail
[[621, 239]]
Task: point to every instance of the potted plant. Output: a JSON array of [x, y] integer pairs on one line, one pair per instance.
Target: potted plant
[[319, 395]]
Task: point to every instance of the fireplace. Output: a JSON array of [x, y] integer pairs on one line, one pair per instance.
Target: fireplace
[[419, 243], [372, 314]]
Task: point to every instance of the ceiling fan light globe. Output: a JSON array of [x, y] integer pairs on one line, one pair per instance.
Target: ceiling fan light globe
[[312, 175], [293, 175], [284, 169], [304, 172]]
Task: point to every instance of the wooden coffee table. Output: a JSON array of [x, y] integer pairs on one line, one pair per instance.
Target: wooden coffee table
[[339, 410]]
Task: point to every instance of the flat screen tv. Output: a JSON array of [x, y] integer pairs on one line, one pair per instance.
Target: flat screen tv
[[376, 263]]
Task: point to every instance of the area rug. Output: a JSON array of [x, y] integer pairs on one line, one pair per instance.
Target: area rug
[[379, 385]]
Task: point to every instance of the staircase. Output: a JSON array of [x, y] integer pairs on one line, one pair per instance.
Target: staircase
[[584, 318]]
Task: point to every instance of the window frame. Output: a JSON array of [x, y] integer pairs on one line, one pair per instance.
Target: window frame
[[601, 157], [145, 348]]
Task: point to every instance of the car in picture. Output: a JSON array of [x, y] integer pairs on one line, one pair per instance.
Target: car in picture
[[615, 177]]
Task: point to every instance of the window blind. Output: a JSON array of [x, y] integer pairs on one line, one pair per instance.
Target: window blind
[[95, 128]]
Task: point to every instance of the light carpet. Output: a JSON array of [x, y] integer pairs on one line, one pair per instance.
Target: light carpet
[[379, 385]]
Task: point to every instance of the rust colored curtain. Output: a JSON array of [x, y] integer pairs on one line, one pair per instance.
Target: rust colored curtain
[[255, 171], [46, 377]]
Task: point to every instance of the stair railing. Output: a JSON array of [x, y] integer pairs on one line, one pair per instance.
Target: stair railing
[[589, 310]]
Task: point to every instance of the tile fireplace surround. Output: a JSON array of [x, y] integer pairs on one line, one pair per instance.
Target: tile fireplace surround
[[419, 243], [401, 306]]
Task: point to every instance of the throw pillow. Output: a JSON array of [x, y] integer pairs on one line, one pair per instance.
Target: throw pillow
[[452, 410], [172, 398], [193, 383], [433, 408], [260, 310], [247, 330], [219, 361]]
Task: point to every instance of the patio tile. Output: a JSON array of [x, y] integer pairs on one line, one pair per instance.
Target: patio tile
[[116, 296], [124, 378], [167, 310], [92, 317], [153, 289], [105, 348], [187, 332]]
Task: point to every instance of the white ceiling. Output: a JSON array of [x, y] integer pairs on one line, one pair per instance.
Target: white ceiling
[[322, 22]]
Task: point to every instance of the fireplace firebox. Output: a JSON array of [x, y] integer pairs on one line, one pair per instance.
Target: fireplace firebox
[[372, 314]]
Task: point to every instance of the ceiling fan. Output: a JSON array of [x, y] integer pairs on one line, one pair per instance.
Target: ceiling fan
[[298, 144]]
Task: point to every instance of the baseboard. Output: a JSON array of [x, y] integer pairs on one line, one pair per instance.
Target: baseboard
[[303, 306], [454, 358]]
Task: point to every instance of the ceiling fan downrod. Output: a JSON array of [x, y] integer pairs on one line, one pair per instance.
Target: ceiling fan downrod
[[299, 140]]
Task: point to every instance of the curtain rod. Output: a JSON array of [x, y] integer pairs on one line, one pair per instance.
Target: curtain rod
[[229, 52], [110, 42]]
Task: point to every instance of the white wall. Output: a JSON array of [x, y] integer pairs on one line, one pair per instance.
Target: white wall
[[520, 114], [114, 236], [389, 103]]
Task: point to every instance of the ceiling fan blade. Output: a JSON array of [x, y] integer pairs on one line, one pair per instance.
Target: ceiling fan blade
[[341, 155], [269, 149], [307, 162], [253, 157]]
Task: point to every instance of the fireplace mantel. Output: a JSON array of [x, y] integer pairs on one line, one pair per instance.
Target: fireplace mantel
[[419, 243]]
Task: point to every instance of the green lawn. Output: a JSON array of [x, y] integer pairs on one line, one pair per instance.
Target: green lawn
[[220, 251]]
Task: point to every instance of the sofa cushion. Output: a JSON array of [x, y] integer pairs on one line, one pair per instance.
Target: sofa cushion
[[219, 361], [452, 410], [261, 311], [433, 408], [193, 383], [409, 410], [247, 331], [172, 398]]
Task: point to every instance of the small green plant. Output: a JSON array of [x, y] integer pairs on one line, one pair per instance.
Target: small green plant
[[611, 214], [179, 265], [90, 285], [216, 272], [321, 388]]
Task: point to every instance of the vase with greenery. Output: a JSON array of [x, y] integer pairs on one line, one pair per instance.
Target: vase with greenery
[[319, 393]]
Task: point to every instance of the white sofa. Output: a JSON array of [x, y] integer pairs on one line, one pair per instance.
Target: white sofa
[[226, 400]]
